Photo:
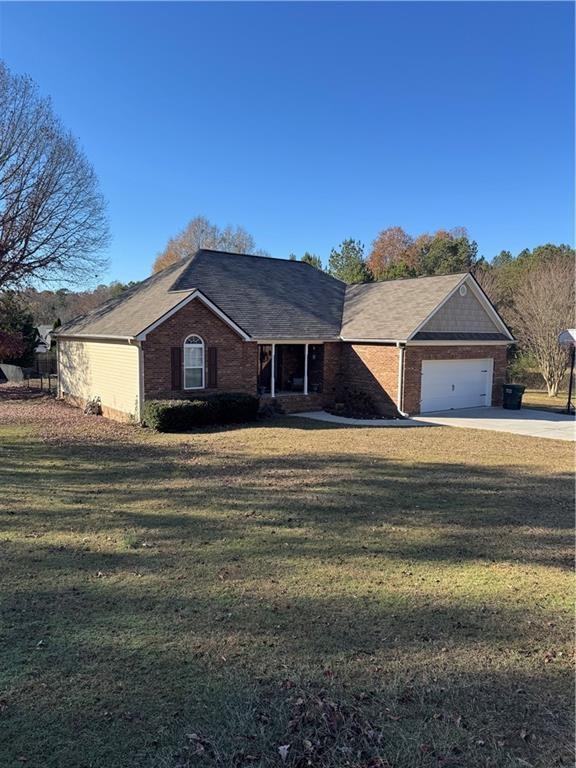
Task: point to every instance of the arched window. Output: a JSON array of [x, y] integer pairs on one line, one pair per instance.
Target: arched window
[[193, 363]]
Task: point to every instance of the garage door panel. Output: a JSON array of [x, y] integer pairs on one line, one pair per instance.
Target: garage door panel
[[451, 384]]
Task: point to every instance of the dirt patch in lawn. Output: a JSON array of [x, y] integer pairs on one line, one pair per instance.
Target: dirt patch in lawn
[[285, 593]]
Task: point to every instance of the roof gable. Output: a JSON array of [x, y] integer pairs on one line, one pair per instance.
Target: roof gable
[[462, 312], [392, 310], [269, 298]]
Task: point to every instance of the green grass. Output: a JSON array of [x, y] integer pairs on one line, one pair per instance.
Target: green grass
[[369, 597]]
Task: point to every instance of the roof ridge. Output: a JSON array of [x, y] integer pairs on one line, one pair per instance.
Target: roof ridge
[[271, 258], [209, 251], [375, 283], [246, 255]]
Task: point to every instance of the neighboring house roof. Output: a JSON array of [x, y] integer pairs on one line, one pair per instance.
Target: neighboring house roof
[[44, 338], [265, 298]]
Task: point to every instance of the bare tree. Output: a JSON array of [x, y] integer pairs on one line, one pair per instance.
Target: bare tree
[[52, 216], [543, 307], [201, 233], [498, 290]]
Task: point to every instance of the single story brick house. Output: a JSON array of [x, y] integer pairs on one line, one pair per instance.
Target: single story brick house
[[287, 332]]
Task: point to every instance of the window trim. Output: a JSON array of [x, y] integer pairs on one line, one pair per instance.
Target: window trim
[[185, 367]]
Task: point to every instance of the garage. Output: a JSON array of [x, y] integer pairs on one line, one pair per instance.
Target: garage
[[450, 384]]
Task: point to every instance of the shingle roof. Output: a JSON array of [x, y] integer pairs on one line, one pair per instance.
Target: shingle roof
[[393, 310], [268, 298], [272, 299]]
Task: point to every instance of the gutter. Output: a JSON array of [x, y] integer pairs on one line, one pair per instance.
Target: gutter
[[81, 336], [373, 341]]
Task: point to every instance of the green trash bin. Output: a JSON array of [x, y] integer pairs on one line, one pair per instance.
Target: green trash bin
[[512, 396]]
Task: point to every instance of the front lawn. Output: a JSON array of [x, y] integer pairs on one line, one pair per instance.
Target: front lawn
[[289, 593], [539, 399]]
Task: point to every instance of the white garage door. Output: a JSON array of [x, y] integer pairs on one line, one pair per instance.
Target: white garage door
[[450, 384]]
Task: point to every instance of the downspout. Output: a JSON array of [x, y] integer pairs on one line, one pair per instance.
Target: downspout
[[400, 396], [140, 378]]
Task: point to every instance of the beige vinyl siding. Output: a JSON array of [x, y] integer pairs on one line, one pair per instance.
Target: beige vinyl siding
[[105, 369], [461, 314]]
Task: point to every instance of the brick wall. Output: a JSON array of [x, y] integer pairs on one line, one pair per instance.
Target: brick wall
[[371, 369], [237, 359], [413, 368], [332, 371], [294, 403]]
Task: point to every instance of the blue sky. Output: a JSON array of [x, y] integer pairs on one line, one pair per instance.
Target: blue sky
[[311, 122]]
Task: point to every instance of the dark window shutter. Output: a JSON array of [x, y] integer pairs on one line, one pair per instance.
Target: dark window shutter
[[176, 360], [212, 367]]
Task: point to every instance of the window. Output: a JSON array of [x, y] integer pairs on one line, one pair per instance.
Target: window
[[193, 363]]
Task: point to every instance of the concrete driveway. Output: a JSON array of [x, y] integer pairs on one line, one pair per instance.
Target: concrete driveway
[[526, 421]]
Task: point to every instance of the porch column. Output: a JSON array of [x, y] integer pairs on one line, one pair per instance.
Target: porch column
[[305, 369], [273, 372]]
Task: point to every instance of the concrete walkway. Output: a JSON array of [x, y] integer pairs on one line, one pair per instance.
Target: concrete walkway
[[346, 422], [526, 421]]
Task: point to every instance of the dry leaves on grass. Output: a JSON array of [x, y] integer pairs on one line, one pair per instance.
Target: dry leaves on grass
[[55, 421]]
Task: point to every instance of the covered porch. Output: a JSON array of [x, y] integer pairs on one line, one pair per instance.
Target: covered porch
[[295, 368]]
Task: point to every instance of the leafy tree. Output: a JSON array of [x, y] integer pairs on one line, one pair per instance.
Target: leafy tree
[[201, 233], [17, 325], [116, 288], [52, 216], [347, 262], [397, 254], [447, 255], [11, 346], [388, 250], [398, 271], [308, 258], [502, 259], [312, 259]]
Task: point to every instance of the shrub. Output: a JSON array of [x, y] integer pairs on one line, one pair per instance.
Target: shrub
[[235, 407], [355, 404], [182, 415]]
